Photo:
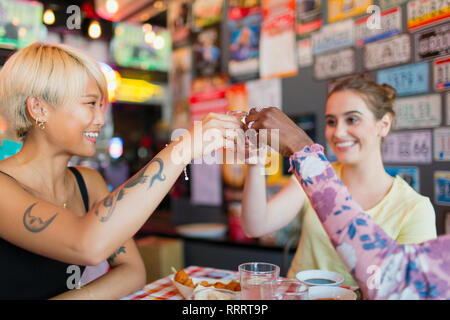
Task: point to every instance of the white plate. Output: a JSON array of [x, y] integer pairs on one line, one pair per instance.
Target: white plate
[[331, 278], [330, 293], [202, 230]]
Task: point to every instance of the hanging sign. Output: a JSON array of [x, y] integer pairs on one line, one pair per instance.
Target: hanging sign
[[334, 36], [409, 174], [407, 80], [422, 13], [418, 112], [441, 74], [387, 52], [336, 64], [432, 43], [390, 24], [442, 144], [408, 147], [442, 187], [343, 9]]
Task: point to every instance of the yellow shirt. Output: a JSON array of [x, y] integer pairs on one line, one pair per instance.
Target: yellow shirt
[[404, 214]]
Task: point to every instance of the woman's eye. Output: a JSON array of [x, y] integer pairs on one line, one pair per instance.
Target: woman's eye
[[330, 122], [352, 120]]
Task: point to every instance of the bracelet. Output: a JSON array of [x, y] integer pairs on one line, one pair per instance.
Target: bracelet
[[91, 296]]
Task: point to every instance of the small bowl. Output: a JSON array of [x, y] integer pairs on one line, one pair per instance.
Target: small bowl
[[330, 293], [207, 293], [319, 278]]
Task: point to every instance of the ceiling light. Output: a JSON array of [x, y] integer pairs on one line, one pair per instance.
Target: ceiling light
[[95, 31], [49, 17]]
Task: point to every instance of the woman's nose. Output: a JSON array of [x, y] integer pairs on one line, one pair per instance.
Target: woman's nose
[[340, 130]]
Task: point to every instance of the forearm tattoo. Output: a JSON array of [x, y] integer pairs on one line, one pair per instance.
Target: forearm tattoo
[[35, 224], [115, 254], [139, 178]]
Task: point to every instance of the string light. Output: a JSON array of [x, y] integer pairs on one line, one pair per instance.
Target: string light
[[159, 43], [49, 17], [95, 31], [112, 6]]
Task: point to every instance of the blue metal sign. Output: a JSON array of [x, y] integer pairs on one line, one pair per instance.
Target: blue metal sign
[[407, 80]]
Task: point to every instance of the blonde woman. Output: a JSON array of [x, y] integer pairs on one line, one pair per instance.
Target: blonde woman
[[359, 114], [54, 220]]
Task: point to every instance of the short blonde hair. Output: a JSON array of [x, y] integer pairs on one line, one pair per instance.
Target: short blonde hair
[[57, 74]]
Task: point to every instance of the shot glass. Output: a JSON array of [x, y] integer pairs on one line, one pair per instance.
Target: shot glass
[[253, 275]]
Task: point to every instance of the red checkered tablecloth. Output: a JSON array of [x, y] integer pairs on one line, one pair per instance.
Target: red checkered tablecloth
[[163, 289]]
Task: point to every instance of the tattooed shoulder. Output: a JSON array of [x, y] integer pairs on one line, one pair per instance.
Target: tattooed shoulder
[[34, 223]]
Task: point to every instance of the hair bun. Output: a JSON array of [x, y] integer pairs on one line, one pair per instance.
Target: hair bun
[[389, 92]]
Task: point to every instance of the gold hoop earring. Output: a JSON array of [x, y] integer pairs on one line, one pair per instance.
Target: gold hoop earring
[[40, 124]]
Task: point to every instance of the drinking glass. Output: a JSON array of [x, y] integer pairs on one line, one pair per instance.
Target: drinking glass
[[252, 275], [288, 289]]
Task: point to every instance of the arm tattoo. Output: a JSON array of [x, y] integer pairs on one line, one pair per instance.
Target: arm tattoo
[[139, 178], [115, 254], [35, 224]]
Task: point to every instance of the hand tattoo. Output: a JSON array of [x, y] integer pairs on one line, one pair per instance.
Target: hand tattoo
[[35, 224]]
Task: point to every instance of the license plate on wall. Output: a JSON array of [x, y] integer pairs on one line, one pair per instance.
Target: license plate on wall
[[432, 43], [418, 112], [441, 73], [387, 52], [336, 64], [422, 13], [408, 147], [407, 80], [390, 24]]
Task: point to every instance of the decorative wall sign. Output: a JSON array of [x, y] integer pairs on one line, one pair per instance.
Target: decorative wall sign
[[207, 51], [408, 147], [387, 52], [277, 39], [441, 73], [418, 112], [305, 55], [407, 80], [409, 174], [343, 9], [244, 26], [442, 187], [206, 12], [308, 16], [422, 13], [333, 37], [336, 64], [390, 24], [432, 43], [442, 144]]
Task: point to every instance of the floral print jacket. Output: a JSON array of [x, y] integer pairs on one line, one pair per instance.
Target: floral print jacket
[[383, 268]]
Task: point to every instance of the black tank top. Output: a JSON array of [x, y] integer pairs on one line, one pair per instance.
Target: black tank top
[[25, 275]]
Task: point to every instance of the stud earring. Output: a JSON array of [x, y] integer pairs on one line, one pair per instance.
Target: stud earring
[[40, 124]]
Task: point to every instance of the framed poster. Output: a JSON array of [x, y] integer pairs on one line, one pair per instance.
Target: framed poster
[[442, 187], [244, 26], [207, 51], [409, 174]]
